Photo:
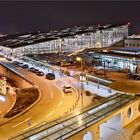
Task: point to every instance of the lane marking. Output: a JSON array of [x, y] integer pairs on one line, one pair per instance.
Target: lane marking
[[30, 127], [51, 95], [50, 114], [22, 122], [60, 103], [61, 89]]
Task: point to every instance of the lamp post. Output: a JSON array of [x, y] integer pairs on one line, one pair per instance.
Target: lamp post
[[104, 66], [82, 78], [79, 59]]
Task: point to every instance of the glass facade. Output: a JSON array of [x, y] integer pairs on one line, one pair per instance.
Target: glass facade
[[116, 63], [96, 39]]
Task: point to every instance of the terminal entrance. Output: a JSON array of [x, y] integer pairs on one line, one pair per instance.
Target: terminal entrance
[[110, 127]]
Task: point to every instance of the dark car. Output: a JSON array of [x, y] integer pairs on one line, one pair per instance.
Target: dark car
[[50, 76], [25, 66], [20, 64], [31, 69], [40, 73], [15, 62], [35, 70]]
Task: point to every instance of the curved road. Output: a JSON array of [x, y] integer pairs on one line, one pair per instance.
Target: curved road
[[53, 104]]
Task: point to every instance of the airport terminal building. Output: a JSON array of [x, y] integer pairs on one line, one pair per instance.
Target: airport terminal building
[[126, 56], [67, 40]]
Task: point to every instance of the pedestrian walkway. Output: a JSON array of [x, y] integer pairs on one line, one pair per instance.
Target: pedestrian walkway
[[98, 89], [94, 88]]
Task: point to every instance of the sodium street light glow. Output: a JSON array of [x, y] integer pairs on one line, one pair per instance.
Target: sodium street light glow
[[78, 58]]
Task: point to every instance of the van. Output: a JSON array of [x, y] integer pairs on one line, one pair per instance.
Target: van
[[67, 89]]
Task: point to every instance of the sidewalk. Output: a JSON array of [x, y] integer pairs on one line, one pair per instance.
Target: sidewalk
[[93, 87], [97, 89]]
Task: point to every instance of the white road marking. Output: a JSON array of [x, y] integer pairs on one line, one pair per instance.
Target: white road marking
[[50, 114], [59, 88], [51, 92], [60, 103], [51, 95], [30, 127], [22, 122]]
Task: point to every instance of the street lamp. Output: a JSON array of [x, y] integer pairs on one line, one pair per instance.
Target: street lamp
[[79, 59], [82, 77]]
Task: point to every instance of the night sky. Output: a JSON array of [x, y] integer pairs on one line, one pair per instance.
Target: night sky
[[46, 15]]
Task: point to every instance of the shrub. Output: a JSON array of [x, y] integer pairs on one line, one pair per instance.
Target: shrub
[[125, 70], [88, 93], [67, 73]]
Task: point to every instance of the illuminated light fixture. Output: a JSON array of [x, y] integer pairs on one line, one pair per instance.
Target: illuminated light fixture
[[134, 58], [78, 59], [80, 122], [104, 50], [129, 23]]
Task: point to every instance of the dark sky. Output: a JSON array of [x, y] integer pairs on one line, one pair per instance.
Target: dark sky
[[25, 16]]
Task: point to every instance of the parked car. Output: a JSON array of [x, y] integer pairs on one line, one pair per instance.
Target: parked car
[[25, 66], [35, 70], [31, 69], [67, 89], [50, 76], [15, 62], [40, 73], [20, 64]]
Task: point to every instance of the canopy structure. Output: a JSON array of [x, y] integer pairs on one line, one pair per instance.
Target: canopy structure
[[126, 86]]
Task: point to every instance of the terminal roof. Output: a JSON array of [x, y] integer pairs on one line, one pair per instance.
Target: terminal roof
[[19, 40]]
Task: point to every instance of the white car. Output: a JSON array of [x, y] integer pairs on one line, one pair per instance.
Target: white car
[[67, 89]]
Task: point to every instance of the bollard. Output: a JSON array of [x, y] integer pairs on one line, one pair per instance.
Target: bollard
[[98, 85]]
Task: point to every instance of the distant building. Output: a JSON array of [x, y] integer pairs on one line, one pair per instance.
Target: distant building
[[67, 40], [132, 41], [124, 56]]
